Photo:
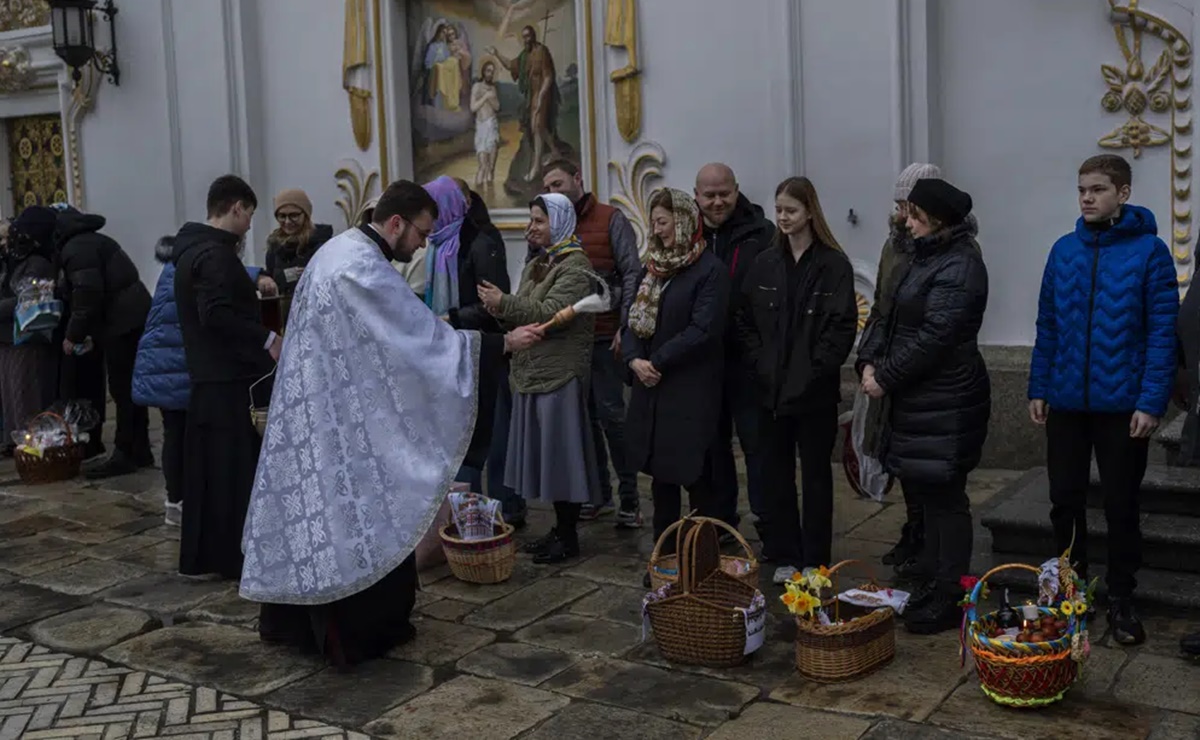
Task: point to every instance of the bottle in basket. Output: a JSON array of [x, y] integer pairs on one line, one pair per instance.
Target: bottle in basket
[[1007, 619]]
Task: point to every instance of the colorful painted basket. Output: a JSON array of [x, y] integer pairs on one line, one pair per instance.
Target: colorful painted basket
[[1023, 674]]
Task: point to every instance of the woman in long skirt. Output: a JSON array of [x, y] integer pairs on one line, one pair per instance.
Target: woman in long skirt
[[551, 456]]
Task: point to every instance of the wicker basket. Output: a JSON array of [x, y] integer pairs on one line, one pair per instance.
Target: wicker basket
[[484, 561], [699, 622], [1020, 674], [56, 463], [834, 653], [729, 563], [258, 414]]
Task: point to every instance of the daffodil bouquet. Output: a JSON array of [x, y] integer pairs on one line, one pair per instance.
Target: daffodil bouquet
[[802, 594]]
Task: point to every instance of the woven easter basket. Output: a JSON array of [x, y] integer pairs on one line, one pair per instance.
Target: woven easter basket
[[699, 622], [835, 653], [483, 561], [1020, 674], [258, 414], [664, 569], [55, 464]]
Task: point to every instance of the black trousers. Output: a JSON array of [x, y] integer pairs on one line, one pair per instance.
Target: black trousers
[[132, 437], [174, 427], [948, 536], [1071, 437], [801, 536], [83, 379], [668, 501]]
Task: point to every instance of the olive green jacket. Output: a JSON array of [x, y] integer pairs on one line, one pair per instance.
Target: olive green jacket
[[566, 352]]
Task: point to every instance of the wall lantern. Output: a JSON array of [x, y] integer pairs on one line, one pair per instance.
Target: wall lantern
[[73, 26]]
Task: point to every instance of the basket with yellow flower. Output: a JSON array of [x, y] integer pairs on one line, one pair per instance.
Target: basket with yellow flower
[[840, 639], [706, 617], [1029, 656]]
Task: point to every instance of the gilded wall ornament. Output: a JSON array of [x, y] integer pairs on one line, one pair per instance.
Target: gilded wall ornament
[[17, 14], [354, 57], [16, 74], [82, 100], [356, 185], [1163, 90], [620, 31], [645, 164]]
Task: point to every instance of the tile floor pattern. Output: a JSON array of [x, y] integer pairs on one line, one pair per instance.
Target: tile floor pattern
[[100, 638], [46, 694]]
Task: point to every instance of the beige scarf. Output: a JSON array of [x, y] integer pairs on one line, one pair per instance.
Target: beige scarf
[[662, 264]]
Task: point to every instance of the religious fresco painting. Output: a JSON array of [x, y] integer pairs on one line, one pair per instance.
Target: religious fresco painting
[[496, 93], [37, 161]]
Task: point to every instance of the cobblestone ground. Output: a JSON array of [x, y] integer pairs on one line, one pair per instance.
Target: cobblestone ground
[[99, 638]]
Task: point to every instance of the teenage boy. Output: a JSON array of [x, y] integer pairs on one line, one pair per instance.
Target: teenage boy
[[1103, 363]]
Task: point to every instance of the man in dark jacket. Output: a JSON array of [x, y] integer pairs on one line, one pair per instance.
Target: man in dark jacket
[[736, 231], [611, 245], [1101, 372], [228, 352], [108, 305]]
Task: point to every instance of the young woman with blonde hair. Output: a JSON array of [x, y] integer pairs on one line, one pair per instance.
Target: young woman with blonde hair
[[797, 324]]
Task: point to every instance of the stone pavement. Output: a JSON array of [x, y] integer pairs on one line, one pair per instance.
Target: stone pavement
[[101, 639]]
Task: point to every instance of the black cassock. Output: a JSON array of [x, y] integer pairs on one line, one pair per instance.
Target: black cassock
[[367, 624]]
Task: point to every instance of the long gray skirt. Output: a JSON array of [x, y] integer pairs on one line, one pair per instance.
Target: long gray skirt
[[28, 381], [551, 454]]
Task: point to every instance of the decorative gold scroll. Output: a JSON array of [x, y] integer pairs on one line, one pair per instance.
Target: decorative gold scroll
[[620, 31], [1163, 90], [354, 56], [645, 164]]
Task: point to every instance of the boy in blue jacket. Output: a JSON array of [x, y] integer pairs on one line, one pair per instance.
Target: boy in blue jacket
[[1102, 369]]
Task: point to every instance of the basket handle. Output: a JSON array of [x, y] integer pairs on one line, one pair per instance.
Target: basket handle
[[255, 384], [975, 592], [697, 519], [685, 564], [66, 426]]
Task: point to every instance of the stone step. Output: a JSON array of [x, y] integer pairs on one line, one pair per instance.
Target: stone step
[[1019, 522], [1165, 490], [1166, 590]]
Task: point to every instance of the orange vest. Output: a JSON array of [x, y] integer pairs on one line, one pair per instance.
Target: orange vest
[[591, 227]]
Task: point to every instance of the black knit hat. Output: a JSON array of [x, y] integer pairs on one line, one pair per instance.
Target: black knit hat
[[941, 200], [37, 223]]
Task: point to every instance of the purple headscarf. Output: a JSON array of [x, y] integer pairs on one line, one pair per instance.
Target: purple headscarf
[[441, 258]]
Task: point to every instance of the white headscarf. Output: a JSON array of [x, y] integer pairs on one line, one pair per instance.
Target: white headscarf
[[561, 212]]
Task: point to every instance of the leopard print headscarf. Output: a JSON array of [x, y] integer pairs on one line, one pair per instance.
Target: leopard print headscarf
[[662, 264]]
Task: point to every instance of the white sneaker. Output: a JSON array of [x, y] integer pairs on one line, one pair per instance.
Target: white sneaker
[[783, 574], [173, 515]]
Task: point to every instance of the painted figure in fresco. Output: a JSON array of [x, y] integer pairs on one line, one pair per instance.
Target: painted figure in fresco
[[533, 70], [446, 64], [485, 104]]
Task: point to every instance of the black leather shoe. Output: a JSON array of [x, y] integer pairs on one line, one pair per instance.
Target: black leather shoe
[[920, 596], [940, 614], [541, 544], [557, 552], [907, 548]]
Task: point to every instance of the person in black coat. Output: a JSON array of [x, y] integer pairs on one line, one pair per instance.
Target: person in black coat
[[796, 325], [674, 346], [736, 231], [29, 368], [482, 258], [108, 304], [927, 360], [228, 351]]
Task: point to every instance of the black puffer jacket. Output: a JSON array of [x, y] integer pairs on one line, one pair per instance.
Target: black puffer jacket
[[104, 294], [286, 260], [927, 360]]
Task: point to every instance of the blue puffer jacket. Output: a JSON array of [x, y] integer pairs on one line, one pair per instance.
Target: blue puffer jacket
[[160, 376], [1106, 320]]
